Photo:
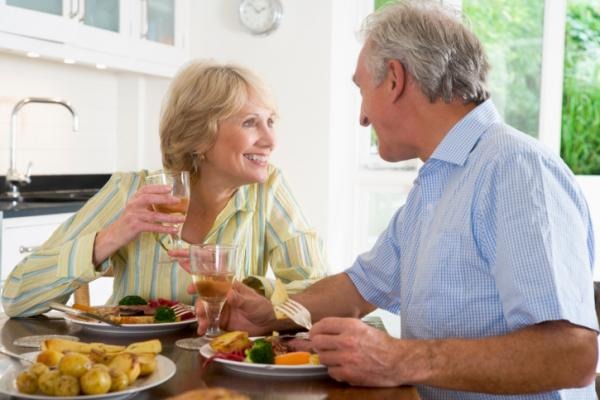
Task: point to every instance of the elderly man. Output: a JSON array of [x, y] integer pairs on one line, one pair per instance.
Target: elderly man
[[489, 262]]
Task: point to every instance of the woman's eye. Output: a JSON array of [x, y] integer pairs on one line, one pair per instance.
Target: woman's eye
[[249, 123], [270, 122]]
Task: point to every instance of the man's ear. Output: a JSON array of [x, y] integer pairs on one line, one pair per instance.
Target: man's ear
[[396, 79]]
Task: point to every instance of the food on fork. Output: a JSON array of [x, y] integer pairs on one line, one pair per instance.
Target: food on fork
[[279, 297], [69, 368]]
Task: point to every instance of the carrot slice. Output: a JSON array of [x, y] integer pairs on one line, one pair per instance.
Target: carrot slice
[[293, 358]]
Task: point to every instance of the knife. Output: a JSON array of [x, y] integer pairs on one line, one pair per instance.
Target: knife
[[78, 313]]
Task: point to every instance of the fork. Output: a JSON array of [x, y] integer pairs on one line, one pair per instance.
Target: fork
[[181, 310], [296, 312]]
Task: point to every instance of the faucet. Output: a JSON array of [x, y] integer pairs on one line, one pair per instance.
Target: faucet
[[14, 178]]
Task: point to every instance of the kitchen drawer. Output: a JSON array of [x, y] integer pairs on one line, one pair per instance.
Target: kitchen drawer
[[19, 236]]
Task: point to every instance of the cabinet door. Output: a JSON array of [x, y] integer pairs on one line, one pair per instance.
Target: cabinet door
[[20, 236], [160, 31], [102, 14], [48, 20]]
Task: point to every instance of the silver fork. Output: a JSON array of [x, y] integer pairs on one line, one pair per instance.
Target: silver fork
[[182, 309], [296, 312]]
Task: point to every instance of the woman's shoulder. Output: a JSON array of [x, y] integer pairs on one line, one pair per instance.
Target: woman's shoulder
[[127, 179]]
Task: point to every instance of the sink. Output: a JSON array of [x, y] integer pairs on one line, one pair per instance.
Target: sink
[[54, 196]]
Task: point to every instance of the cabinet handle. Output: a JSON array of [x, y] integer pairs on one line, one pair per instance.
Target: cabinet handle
[[144, 19], [27, 249]]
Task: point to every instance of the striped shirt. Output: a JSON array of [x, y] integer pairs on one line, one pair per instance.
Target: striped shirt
[[264, 218], [495, 236]]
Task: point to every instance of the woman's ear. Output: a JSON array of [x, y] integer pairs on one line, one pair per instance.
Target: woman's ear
[[396, 79]]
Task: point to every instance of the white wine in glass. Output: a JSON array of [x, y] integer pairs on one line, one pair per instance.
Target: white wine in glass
[[213, 269], [180, 188]]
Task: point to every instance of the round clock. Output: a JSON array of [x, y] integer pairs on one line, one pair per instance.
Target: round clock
[[261, 16]]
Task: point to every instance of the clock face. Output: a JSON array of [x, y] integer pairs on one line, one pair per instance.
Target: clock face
[[260, 16]]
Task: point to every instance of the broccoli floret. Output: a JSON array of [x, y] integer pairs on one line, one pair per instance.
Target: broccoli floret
[[261, 352], [164, 314], [132, 301]]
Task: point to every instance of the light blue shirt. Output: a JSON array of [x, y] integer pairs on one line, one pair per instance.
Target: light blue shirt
[[495, 236]]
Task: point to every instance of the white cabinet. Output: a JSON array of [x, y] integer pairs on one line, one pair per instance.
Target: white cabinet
[[145, 36], [21, 235]]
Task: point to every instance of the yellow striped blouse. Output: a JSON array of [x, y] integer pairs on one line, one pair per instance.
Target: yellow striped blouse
[[264, 218]]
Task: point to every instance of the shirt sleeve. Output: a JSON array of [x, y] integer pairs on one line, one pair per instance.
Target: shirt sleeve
[[377, 273], [64, 261], [294, 249], [535, 231]]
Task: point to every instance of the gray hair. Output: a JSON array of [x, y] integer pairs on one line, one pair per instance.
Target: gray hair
[[431, 41]]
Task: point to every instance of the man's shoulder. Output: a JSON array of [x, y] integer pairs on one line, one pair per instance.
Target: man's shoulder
[[504, 142]]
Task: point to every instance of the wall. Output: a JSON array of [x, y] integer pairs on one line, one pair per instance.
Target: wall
[[299, 75]]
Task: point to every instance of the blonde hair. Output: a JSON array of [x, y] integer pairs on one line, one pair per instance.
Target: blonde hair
[[202, 94]]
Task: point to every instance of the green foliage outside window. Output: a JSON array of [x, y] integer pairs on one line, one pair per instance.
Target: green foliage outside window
[[511, 31], [580, 135]]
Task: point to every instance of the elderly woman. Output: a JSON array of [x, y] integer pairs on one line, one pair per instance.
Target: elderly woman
[[218, 123]]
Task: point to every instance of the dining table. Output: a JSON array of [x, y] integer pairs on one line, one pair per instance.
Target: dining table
[[192, 372]]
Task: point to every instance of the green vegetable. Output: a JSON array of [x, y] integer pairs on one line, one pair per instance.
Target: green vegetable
[[261, 352], [132, 301], [164, 314]]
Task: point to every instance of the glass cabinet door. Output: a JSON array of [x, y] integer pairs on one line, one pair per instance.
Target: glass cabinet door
[[103, 14], [47, 6], [159, 21]]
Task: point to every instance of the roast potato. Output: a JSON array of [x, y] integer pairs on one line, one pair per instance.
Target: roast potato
[[49, 357], [27, 382], [95, 381], [74, 364], [48, 382], [67, 385]]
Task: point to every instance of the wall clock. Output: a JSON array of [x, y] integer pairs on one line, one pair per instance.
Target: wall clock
[[261, 17]]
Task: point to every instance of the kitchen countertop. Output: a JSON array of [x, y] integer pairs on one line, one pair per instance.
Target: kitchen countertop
[[50, 184]]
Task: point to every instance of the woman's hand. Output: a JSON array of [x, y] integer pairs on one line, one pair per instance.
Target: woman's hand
[[138, 216], [244, 310]]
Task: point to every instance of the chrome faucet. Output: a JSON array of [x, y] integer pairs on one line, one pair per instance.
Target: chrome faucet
[[14, 178]]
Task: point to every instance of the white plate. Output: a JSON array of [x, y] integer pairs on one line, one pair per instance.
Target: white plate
[[130, 329], [266, 369], [165, 369]]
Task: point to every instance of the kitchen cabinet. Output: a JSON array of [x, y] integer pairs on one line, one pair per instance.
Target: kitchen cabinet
[[20, 236], [145, 36]]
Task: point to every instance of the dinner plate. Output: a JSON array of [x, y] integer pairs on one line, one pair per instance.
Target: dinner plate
[[165, 369], [129, 329], [307, 370]]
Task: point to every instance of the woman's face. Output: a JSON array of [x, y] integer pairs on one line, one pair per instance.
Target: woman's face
[[244, 143]]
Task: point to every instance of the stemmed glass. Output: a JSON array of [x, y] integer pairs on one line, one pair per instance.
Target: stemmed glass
[[180, 188], [213, 267]]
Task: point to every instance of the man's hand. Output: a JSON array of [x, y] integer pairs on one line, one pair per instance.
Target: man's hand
[[244, 310], [356, 353]]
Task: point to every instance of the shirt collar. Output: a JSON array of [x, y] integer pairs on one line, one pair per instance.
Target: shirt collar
[[458, 143]]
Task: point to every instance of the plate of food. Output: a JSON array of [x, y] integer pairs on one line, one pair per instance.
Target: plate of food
[[101, 361], [136, 316], [264, 356]]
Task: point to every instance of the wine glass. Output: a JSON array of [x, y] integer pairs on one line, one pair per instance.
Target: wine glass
[[180, 188], [213, 268]]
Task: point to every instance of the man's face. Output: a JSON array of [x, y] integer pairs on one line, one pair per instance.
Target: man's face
[[375, 107]]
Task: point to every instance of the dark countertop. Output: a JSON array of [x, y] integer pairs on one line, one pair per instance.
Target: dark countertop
[[85, 185]]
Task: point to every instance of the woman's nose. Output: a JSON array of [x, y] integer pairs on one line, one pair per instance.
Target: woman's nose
[[267, 137], [364, 120]]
